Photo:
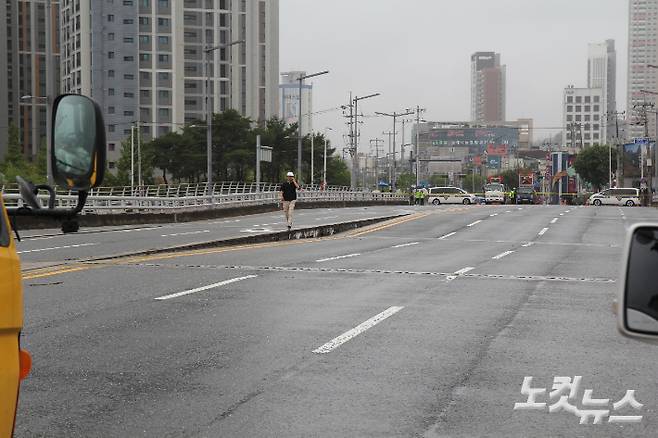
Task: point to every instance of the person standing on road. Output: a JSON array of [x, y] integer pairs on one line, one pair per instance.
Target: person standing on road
[[288, 192]]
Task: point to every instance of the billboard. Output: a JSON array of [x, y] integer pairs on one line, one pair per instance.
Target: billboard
[[634, 155], [480, 137]]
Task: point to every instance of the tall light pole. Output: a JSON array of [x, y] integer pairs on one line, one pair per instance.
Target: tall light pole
[[209, 107], [355, 137], [301, 79], [395, 115]]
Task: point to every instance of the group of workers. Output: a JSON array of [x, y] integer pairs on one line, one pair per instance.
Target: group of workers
[[419, 196]]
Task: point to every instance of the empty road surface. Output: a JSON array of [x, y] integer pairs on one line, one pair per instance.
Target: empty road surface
[[426, 326]]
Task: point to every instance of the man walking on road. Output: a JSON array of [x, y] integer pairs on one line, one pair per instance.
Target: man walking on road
[[288, 192]]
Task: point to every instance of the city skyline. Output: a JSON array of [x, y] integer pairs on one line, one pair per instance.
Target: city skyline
[[426, 61]]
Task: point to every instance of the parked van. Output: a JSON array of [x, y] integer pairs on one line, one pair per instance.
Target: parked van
[[450, 195], [620, 196]]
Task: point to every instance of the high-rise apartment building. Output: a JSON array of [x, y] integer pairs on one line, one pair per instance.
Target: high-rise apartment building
[[147, 64], [583, 117], [488, 87], [289, 100], [642, 52], [23, 78], [602, 73]]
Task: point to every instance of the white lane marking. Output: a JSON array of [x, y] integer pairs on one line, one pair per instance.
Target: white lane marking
[[520, 208], [347, 256], [340, 340], [561, 214], [464, 270], [56, 248], [543, 231], [136, 229], [554, 220], [447, 235], [405, 244], [456, 274], [326, 217], [493, 215], [474, 223], [186, 233], [529, 244], [501, 255], [567, 211], [508, 211], [200, 289]]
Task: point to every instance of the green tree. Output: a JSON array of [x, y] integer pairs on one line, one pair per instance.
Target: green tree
[[439, 180], [592, 164], [14, 163], [123, 165], [406, 180], [473, 183]]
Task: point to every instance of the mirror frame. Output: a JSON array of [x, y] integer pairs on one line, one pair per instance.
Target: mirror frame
[[621, 310], [96, 174]]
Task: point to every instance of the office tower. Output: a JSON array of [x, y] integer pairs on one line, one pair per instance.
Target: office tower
[[488, 82]]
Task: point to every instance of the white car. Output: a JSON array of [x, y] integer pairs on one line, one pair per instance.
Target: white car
[[450, 195], [620, 196]]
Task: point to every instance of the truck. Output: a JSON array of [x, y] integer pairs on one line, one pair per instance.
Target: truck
[[77, 160], [495, 192], [525, 193]]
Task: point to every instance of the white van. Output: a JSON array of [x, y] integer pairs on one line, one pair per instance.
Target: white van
[[450, 195], [620, 196]]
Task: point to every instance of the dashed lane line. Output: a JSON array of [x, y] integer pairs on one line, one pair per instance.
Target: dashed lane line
[[404, 245], [347, 256], [501, 255], [185, 233], [54, 248], [447, 235], [542, 232], [202, 288], [351, 334]]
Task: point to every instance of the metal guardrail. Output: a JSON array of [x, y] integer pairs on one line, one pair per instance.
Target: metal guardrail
[[191, 197]]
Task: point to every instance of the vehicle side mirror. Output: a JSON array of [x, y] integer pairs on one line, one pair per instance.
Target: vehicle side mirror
[[638, 315], [78, 146]]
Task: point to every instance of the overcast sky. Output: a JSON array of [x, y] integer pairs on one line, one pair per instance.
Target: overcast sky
[[418, 52]]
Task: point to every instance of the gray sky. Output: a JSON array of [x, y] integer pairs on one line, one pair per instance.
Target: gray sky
[[418, 52]]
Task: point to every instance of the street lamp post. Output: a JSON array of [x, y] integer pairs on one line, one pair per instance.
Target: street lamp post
[[209, 106], [301, 79]]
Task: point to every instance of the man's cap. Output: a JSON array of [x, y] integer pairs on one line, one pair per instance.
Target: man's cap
[[290, 174]]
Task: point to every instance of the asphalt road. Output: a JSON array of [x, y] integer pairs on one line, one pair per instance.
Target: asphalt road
[[44, 247], [426, 327]]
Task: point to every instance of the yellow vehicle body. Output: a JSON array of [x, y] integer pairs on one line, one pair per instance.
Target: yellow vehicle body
[[11, 323]]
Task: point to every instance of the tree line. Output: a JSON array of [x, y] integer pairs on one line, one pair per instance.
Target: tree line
[[181, 157]]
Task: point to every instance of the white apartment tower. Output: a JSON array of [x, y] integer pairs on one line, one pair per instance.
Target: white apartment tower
[[642, 52], [602, 73], [583, 117], [143, 60]]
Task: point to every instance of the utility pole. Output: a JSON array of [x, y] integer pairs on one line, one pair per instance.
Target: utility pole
[[616, 115], [354, 119], [376, 141], [395, 115], [388, 159], [418, 111]]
